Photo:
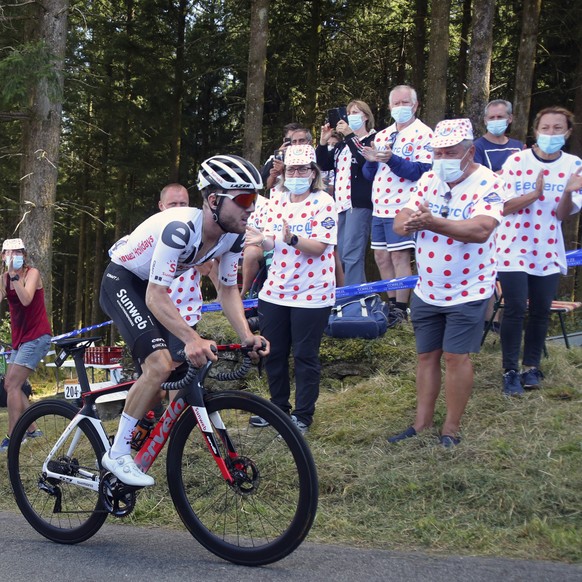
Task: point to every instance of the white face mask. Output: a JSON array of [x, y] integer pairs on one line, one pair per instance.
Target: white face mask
[[298, 185], [550, 144], [497, 127], [449, 170], [402, 113], [355, 121]]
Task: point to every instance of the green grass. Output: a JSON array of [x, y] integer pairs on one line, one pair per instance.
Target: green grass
[[513, 488]]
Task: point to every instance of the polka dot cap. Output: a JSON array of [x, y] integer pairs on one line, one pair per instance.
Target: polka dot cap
[[450, 132]]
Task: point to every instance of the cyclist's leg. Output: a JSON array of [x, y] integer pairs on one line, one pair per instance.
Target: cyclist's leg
[[122, 297]]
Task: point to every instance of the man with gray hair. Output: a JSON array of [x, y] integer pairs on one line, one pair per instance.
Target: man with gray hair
[[398, 157], [495, 146]]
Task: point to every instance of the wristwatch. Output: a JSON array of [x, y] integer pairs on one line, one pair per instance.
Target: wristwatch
[[293, 240], [15, 278]]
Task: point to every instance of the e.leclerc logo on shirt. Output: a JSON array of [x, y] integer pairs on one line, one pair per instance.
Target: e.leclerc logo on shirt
[[328, 223]]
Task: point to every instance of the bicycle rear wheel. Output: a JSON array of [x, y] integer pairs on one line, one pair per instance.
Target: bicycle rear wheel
[[266, 515], [58, 510]]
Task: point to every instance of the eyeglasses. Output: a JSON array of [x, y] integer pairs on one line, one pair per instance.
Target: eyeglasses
[[302, 171], [445, 210], [245, 200], [392, 139]]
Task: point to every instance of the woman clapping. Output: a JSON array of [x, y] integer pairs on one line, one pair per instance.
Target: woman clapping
[[296, 300]]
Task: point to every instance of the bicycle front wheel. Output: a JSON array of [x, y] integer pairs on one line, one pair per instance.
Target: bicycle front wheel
[[270, 508], [57, 509]]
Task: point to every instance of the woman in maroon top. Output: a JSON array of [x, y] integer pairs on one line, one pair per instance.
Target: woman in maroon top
[[30, 327]]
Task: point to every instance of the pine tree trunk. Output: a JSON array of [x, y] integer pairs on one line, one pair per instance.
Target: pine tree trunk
[[418, 71], [178, 92], [524, 73], [480, 61], [438, 59], [463, 58], [255, 97], [41, 139]]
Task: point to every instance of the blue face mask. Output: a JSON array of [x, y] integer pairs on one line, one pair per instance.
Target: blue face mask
[[355, 121], [298, 185], [497, 127], [550, 144], [17, 262], [402, 113]]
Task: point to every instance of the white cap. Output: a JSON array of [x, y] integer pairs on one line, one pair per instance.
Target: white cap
[[299, 155], [13, 244]]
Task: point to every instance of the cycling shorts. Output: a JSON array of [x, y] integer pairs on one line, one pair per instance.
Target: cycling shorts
[[122, 298]]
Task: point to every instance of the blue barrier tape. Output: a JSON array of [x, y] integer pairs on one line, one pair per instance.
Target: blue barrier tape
[[574, 259], [80, 331]]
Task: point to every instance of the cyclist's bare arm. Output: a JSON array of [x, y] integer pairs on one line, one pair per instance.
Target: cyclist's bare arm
[[232, 307]]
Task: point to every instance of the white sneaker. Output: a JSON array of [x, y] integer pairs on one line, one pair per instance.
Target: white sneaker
[[125, 469]]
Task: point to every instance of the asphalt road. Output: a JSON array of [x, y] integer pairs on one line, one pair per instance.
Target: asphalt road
[[119, 552]]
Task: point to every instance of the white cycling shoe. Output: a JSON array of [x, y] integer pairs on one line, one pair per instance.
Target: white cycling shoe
[[125, 469]]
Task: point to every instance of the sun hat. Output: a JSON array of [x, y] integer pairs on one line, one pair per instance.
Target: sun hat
[[13, 244], [450, 132], [299, 155]]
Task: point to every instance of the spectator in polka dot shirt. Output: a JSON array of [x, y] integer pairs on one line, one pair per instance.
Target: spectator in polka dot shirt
[[399, 155], [544, 188], [296, 300], [454, 211]]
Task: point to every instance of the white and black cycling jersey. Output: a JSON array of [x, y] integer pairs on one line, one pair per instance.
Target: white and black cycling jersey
[[166, 245]]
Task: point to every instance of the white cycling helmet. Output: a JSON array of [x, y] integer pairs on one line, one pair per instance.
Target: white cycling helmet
[[229, 173]]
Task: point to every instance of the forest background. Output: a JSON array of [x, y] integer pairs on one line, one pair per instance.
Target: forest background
[[103, 102]]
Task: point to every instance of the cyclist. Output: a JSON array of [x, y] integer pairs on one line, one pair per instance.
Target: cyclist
[[135, 289]]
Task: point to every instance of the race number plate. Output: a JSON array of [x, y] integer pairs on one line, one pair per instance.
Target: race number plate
[[72, 391]]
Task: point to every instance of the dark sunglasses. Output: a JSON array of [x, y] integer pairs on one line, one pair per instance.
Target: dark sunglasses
[[245, 200], [445, 207], [392, 139]]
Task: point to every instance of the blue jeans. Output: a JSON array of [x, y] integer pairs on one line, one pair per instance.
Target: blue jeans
[[352, 243], [525, 293]]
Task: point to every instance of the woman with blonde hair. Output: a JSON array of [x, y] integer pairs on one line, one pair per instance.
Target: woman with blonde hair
[[352, 191], [544, 185]]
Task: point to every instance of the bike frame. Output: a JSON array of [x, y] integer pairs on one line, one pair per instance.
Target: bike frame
[[189, 397]]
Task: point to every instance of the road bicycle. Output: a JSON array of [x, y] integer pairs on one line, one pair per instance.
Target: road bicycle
[[247, 494]]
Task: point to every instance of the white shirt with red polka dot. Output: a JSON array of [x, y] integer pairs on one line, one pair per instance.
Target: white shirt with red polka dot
[[296, 278], [343, 180], [531, 240], [390, 192], [257, 217], [451, 272], [187, 297]]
